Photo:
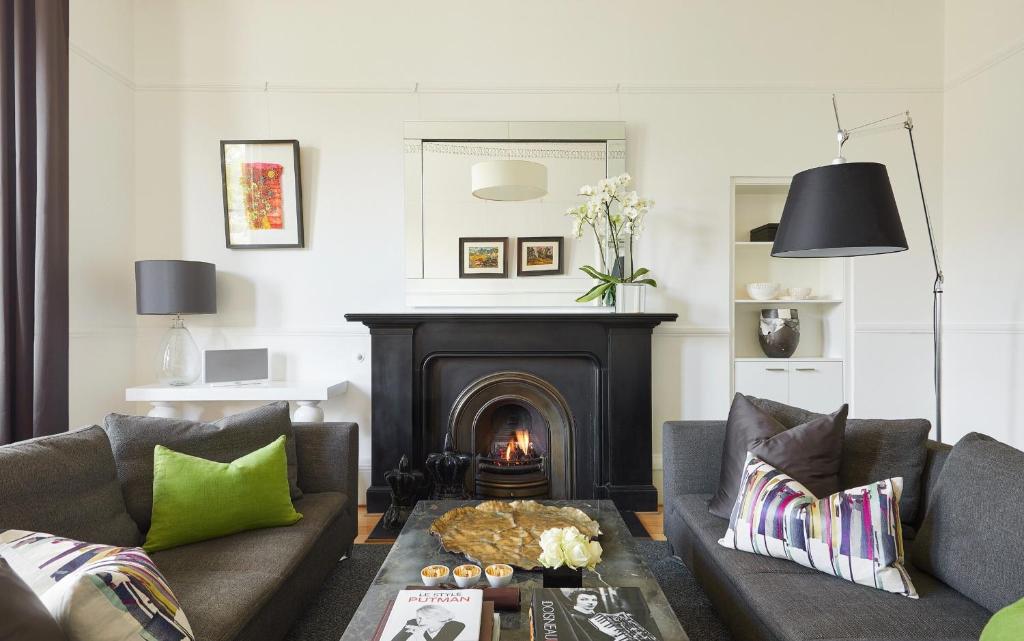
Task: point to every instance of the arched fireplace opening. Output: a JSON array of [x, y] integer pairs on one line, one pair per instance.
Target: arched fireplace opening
[[519, 429]]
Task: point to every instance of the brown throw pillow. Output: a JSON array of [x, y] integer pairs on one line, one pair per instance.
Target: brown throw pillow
[[22, 615], [811, 453]]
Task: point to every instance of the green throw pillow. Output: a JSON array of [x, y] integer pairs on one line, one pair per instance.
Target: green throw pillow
[[195, 499], [1006, 625]]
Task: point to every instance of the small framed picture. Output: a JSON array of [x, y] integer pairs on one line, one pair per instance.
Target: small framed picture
[[262, 193], [483, 257], [539, 256]]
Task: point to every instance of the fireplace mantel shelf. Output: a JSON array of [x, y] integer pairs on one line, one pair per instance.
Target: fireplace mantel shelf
[[631, 320]]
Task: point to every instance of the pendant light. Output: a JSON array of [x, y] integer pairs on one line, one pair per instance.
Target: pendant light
[[509, 180]]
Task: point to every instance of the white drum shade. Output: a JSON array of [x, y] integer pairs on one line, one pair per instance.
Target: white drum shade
[[509, 180]]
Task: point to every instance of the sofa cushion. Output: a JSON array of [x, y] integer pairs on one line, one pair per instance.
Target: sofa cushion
[[65, 484], [22, 614], [809, 452], [222, 583], [134, 437], [798, 603], [873, 449], [970, 537]]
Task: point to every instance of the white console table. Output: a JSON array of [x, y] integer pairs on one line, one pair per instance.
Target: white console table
[[167, 399]]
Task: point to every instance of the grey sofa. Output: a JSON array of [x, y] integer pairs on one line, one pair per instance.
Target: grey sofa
[[771, 599], [248, 586]]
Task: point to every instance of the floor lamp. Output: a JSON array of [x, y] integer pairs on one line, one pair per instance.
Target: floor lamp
[[848, 209]]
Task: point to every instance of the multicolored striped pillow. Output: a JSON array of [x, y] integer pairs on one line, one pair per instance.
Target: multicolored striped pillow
[[96, 592], [853, 534]]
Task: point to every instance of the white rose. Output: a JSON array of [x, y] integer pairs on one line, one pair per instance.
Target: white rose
[[577, 554], [551, 559], [568, 535], [551, 539], [595, 554]]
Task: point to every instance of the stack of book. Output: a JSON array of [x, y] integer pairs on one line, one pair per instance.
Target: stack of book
[[439, 615], [591, 614]]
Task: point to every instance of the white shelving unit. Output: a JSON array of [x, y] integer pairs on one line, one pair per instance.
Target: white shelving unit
[[818, 376]]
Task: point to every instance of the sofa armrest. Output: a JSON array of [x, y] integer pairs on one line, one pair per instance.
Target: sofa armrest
[[691, 457], [328, 457]]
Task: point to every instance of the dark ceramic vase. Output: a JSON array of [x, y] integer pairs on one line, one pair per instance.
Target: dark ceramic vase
[[779, 332], [563, 577]]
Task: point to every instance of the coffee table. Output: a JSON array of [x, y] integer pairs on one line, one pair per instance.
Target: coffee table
[[621, 567]]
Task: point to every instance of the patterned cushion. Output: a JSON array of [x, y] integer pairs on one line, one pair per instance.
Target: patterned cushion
[[854, 534], [96, 592]]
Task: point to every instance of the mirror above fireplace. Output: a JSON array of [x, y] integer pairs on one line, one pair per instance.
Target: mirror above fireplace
[[440, 206]]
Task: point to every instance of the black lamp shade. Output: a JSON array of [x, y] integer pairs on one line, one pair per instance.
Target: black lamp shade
[[846, 209], [175, 287]]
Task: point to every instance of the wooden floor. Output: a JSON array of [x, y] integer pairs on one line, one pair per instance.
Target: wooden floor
[[652, 521]]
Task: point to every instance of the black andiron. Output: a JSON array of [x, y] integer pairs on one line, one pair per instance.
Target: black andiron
[[448, 471], [403, 484]]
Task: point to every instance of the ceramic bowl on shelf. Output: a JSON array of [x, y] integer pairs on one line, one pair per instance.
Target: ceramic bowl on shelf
[[762, 291], [799, 293]]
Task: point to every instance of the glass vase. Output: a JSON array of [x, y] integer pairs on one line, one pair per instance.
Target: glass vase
[[630, 298]]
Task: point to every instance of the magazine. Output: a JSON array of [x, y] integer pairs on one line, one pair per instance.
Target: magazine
[[434, 615], [591, 614]]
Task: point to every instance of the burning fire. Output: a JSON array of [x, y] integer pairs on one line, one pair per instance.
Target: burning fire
[[518, 445]]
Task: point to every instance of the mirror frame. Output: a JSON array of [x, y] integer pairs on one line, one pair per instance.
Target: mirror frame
[[527, 292]]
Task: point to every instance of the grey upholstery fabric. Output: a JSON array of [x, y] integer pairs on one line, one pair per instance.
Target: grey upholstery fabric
[[66, 485], [251, 585], [134, 437], [33, 218], [766, 599], [810, 452], [328, 458], [970, 537], [691, 457], [874, 449], [23, 617]]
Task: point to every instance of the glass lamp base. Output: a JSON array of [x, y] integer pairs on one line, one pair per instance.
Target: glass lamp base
[[179, 356]]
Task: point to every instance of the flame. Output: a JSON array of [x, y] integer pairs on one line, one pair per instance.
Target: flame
[[521, 438]]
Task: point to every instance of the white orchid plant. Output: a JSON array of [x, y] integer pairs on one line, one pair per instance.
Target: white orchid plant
[[616, 216], [570, 547]]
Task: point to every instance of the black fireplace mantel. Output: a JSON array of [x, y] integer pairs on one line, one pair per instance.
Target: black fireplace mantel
[[614, 447]]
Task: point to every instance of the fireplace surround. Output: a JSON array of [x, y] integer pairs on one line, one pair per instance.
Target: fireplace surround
[[578, 384]]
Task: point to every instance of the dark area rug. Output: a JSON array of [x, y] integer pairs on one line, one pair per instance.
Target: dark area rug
[[326, 617]]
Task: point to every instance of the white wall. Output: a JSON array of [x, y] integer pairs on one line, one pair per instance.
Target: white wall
[[102, 312], [708, 90], [984, 220]]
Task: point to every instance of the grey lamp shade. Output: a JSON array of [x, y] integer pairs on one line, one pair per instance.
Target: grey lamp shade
[[846, 209], [175, 287]]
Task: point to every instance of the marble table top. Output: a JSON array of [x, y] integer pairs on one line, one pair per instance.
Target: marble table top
[[621, 567]]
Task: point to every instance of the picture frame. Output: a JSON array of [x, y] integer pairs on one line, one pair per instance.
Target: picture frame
[[261, 184], [540, 256], [483, 257]]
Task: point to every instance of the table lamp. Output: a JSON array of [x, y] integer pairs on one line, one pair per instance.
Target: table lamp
[[173, 288]]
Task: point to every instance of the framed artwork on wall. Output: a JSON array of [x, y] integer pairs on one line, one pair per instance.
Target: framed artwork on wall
[[539, 256], [483, 257], [262, 194]]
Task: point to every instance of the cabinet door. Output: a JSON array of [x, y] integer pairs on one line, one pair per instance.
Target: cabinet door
[[816, 386], [763, 380]]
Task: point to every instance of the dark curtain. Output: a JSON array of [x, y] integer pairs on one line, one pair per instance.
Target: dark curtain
[[33, 218]]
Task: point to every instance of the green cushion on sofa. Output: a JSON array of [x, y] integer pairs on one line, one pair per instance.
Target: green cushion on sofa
[[1006, 624], [195, 499]]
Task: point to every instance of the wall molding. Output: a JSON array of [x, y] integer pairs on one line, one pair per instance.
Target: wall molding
[[986, 64], [102, 66]]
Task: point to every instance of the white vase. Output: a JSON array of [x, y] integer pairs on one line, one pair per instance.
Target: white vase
[[630, 298]]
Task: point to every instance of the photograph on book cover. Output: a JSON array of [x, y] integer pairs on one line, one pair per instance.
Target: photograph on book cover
[[434, 615], [593, 614]]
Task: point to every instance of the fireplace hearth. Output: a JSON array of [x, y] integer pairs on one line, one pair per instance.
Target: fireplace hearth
[[547, 405]]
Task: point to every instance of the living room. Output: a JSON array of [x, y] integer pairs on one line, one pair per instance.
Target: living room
[[625, 260]]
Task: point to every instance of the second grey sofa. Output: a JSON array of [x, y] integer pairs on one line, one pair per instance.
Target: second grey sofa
[[767, 599], [248, 586]]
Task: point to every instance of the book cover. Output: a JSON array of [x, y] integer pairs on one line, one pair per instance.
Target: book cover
[[434, 615], [591, 614]]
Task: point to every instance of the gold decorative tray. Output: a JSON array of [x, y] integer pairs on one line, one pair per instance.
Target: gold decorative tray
[[506, 532]]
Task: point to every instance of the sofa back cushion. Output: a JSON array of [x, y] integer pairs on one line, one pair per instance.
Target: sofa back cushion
[[133, 439], [873, 449], [970, 537], [65, 484]]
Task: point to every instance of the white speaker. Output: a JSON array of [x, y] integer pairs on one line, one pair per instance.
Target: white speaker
[[236, 366]]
